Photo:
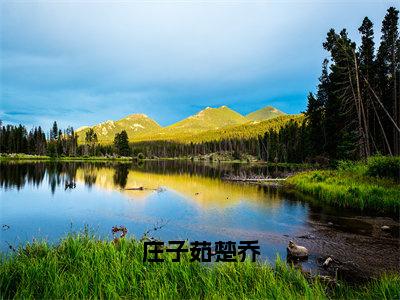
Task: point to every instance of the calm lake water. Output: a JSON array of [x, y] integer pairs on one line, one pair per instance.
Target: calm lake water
[[190, 201]]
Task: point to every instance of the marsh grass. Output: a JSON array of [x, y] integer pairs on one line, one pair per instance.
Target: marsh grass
[[82, 266], [352, 185]]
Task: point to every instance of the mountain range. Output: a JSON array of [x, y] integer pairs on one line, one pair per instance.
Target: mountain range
[[206, 124]]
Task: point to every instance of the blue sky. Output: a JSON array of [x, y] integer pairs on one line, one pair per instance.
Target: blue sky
[[81, 63]]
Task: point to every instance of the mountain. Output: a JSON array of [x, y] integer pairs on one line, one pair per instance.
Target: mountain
[[265, 113], [204, 121], [210, 118], [134, 124], [250, 129], [209, 123]]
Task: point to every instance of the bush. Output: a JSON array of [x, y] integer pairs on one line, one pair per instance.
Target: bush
[[384, 166], [345, 165], [317, 177]]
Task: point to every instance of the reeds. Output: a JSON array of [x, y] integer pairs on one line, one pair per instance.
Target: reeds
[[82, 266], [352, 186]]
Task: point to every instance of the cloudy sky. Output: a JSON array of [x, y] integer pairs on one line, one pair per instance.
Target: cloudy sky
[[83, 62]]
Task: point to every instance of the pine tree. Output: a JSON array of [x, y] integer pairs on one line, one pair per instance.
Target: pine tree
[[91, 141], [315, 113], [54, 131], [368, 79], [121, 144], [387, 63]]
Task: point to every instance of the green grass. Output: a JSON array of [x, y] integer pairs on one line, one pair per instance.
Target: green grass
[[351, 185], [82, 266]]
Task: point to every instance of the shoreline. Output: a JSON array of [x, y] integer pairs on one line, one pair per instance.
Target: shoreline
[[26, 157]]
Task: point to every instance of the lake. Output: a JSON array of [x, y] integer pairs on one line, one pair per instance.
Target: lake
[[187, 200]]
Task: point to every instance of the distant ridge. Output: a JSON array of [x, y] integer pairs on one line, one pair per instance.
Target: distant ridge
[[210, 118], [206, 122], [265, 113]]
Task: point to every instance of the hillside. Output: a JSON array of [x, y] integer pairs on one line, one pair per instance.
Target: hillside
[[210, 118], [250, 129], [208, 124], [265, 113], [133, 124]]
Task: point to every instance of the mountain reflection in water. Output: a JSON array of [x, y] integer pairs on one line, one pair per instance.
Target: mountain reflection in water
[[49, 200]]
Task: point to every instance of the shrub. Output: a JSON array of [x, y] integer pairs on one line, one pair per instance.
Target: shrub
[[345, 165], [318, 177], [384, 166]]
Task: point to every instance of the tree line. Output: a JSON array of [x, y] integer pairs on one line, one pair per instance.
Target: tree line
[[355, 112]]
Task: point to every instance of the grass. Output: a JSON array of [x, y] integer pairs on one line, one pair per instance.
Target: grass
[[352, 185], [81, 266]]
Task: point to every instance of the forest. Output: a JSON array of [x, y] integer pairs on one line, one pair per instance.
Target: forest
[[354, 114]]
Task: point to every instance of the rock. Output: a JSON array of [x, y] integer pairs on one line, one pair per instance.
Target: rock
[[327, 262], [385, 227], [296, 251]]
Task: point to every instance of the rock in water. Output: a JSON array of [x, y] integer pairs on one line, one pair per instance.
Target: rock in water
[[327, 262], [296, 251]]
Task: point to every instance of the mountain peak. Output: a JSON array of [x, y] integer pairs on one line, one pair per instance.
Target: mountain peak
[[137, 116], [265, 113], [211, 118], [133, 124]]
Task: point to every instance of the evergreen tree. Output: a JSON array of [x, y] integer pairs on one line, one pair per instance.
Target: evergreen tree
[[368, 74], [121, 144], [54, 131], [315, 114], [346, 124], [388, 78], [91, 141]]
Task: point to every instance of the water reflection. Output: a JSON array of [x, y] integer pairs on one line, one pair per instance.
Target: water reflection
[[42, 200], [16, 175], [193, 196]]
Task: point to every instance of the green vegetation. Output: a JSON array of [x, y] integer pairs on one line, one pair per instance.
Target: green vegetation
[[384, 167], [85, 267], [355, 112], [121, 144], [242, 139], [250, 130], [352, 186], [209, 118], [265, 113]]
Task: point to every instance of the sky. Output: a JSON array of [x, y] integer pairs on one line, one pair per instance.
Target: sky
[[84, 62]]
